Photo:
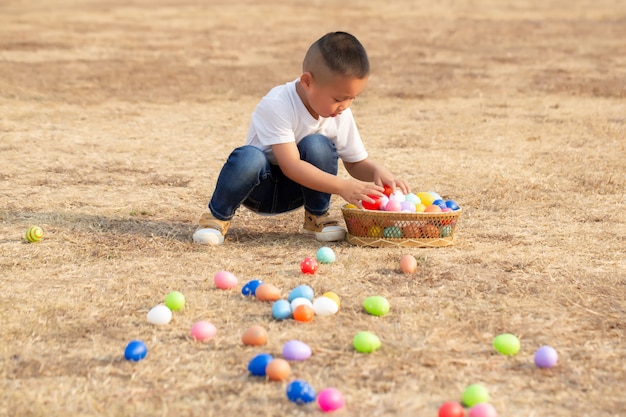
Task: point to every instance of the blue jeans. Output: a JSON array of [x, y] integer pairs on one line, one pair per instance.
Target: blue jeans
[[248, 178]]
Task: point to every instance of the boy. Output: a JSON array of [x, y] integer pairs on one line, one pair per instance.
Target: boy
[[298, 132]]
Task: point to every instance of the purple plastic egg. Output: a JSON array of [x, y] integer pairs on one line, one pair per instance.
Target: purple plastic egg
[[408, 206], [546, 357], [295, 350]]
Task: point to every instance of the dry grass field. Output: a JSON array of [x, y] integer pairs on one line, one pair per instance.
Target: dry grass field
[[116, 116]]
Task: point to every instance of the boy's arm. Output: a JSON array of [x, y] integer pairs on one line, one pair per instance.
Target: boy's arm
[[308, 175], [370, 171]]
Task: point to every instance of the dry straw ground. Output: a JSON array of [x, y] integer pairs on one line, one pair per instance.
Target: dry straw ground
[[115, 117]]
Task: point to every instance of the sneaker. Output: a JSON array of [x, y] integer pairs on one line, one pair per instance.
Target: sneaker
[[323, 228], [212, 231]]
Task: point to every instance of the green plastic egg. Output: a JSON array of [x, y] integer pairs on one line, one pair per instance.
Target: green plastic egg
[[376, 305], [506, 344], [366, 342], [475, 394]]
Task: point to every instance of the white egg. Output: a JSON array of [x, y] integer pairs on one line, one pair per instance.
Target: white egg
[[299, 301], [160, 315], [398, 195], [324, 306]]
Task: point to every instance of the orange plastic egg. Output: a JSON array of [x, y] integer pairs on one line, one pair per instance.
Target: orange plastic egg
[[408, 264], [278, 370], [267, 292], [254, 336], [303, 313], [432, 209]]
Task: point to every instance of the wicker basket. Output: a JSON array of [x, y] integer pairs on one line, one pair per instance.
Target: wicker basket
[[384, 228]]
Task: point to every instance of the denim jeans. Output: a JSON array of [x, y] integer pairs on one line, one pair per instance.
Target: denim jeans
[[248, 178]]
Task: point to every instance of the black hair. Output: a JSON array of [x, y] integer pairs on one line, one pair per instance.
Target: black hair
[[343, 54]]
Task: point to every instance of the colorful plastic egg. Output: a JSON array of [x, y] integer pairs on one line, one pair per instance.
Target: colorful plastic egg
[[175, 301], [392, 232], [249, 288], [333, 296], [393, 205], [397, 195], [451, 409], [278, 370], [330, 399], [225, 280], [254, 336], [267, 292], [303, 313], [309, 266], [433, 208], [439, 202], [281, 310], [203, 331], [426, 198], [506, 344], [408, 264], [300, 392], [376, 305], [159, 315], [301, 291], [296, 302], [435, 195], [483, 410], [324, 306], [135, 351], [475, 394], [325, 255], [546, 357], [366, 342], [412, 198], [295, 350], [258, 364], [452, 204], [408, 206], [371, 206]]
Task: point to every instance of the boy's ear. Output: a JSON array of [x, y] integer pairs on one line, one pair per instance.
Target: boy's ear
[[306, 79]]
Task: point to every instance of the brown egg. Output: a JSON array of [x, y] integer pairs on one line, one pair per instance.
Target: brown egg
[[267, 292], [278, 370], [408, 264], [254, 336], [430, 231]]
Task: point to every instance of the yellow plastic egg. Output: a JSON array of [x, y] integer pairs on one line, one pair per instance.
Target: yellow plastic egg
[[426, 198], [419, 208], [333, 296]]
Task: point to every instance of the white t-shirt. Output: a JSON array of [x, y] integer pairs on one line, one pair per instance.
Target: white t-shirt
[[281, 117]]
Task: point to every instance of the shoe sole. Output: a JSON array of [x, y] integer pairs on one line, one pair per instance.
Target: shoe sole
[[208, 237], [330, 234]]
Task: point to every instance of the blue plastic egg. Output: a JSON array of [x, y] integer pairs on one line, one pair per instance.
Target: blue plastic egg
[[439, 202], [249, 288], [325, 255], [300, 392], [452, 204], [412, 198], [258, 364], [303, 291], [434, 194], [135, 351], [281, 310]]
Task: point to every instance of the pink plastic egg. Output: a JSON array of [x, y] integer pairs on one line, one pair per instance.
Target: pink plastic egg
[[225, 280], [330, 399], [393, 205], [203, 331], [483, 410]]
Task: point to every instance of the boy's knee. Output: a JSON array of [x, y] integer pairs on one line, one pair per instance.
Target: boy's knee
[[248, 160], [317, 146]]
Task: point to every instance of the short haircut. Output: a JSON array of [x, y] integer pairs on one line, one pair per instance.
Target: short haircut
[[339, 52]]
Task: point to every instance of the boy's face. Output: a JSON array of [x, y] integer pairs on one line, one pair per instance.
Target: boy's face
[[331, 96]]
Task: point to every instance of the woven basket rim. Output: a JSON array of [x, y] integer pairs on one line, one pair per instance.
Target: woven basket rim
[[400, 213]]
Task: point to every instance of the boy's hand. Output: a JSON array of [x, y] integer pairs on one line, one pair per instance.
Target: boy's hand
[[382, 176], [354, 191]]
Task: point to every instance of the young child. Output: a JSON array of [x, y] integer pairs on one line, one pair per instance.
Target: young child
[[298, 132]]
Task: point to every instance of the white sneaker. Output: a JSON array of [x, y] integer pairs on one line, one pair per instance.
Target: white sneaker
[[208, 237], [323, 228]]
